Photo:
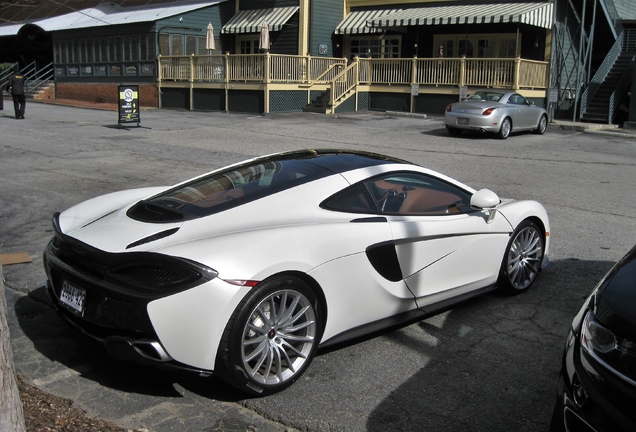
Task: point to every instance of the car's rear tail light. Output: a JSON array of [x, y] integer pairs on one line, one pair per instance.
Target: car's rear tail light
[[488, 111], [449, 108]]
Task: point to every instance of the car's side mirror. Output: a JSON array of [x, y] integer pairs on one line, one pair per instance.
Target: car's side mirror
[[484, 199]]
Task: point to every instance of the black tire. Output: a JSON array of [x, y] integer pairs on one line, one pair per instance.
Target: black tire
[[542, 125], [271, 338], [522, 260], [505, 129], [454, 131]]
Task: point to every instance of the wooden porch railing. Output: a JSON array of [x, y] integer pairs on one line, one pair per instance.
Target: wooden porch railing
[[505, 73], [343, 83]]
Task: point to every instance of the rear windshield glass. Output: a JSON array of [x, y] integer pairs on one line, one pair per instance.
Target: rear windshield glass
[[484, 95], [235, 186], [227, 189]]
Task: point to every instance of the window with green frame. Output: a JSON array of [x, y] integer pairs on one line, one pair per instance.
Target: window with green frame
[[173, 44], [376, 46], [107, 49], [476, 45], [247, 44]]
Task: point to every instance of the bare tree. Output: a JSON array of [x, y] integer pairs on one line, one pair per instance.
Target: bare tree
[[11, 415]]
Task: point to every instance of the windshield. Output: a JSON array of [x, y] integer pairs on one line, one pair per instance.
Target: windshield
[[484, 95]]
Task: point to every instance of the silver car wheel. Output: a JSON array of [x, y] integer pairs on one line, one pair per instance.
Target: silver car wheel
[[524, 257], [542, 126], [278, 337], [506, 127]]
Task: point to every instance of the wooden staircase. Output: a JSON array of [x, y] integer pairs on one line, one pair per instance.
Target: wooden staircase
[[341, 88], [320, 104]]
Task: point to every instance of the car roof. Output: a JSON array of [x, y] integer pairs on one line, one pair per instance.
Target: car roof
[[335, 160], [251, 180]]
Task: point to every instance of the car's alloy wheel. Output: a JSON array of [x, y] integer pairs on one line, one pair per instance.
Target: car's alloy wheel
[[504, 130], [522, 260], [542, 126], [272, 337]]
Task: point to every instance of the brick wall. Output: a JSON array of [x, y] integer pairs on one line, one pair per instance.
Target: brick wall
[[47, 93], [105, 93]]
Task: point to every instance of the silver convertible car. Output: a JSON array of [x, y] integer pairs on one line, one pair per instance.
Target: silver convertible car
[[497, 112]]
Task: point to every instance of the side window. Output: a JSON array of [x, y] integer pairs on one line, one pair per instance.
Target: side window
[[354, 199], [417, 194], [516, 99]]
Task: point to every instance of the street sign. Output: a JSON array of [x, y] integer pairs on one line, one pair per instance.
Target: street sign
[[129, 104]]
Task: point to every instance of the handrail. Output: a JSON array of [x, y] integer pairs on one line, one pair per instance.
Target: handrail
[[620, 89], [324, 74], [38, 78], [342, 84], [601, 74], [5, 75], [614, 17], [505, 73]]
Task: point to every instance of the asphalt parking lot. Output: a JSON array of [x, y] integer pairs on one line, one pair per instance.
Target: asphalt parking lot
[[490, 364]]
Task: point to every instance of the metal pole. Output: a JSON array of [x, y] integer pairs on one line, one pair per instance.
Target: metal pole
[[578, 64]]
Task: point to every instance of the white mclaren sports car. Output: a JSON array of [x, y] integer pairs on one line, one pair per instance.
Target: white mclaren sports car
[[246, 271]]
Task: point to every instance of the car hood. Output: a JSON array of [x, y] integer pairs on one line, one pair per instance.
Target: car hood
[[616, 298]]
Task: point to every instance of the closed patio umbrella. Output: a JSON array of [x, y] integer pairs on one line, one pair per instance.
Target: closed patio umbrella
[[263, 42], [210, 45]]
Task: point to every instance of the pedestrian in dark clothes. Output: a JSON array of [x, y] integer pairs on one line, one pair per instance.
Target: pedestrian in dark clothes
[[16, 88]]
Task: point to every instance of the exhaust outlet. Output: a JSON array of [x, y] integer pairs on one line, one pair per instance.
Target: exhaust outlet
[[151, 350]]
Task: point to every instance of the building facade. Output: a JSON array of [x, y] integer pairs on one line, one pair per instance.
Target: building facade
[[408, 55]]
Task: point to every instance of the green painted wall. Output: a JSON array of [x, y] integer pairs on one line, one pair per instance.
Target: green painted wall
[[325, 15], [194, 22]]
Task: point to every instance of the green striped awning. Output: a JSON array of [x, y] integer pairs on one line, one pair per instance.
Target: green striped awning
[[536, 14], [356, 22], [249, 21]]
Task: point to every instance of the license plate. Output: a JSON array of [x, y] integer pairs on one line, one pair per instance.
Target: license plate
[[74, 297], [462, 121]]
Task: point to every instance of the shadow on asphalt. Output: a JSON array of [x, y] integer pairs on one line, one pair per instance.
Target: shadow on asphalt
[[471, 135], [467, 387], [429, 397], [59, 342]]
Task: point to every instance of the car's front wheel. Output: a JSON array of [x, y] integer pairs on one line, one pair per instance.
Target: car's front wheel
[[542, 125], [522, 260], [505, 129], [271, 338]]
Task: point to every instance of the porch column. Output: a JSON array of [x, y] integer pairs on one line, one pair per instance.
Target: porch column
[[191, 82], [303, 28], [159, 78], [515, 83]]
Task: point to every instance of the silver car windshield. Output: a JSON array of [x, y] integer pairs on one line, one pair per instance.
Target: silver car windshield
[[485, 95]]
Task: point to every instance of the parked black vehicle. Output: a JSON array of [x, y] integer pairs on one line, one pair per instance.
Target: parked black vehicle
[[597, 383]]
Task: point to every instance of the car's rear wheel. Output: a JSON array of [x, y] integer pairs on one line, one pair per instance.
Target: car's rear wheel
[[454, 131], [505, 129], [522, 260], [542, 125], [271, 338]]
